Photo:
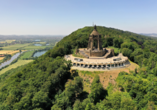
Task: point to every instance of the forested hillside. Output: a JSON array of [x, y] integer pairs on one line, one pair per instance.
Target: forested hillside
[[47, 84]]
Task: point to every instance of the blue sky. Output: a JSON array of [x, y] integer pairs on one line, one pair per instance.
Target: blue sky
[[61, 17]]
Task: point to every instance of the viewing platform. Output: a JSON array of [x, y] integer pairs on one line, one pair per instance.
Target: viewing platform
[[99, 62]]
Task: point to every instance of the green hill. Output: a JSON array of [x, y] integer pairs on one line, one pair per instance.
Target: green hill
[[47, 83]]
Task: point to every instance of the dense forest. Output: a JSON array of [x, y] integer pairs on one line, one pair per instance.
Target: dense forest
[[48, 84]]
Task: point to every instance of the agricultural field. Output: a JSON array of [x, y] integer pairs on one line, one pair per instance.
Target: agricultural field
[[27, 55], [16, 46], [8, 51], [31, 47], [7, 41], [1, 58], [15, 65], [24, 43], [40, 43]]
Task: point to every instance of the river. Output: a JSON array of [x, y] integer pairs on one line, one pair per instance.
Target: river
[[37, 54], [37, 44], [9, 61]]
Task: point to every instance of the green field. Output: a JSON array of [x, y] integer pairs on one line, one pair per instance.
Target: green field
[[31, 47], [27, 46], [15, 65], [26, 55], [16, 46], [40, 42]]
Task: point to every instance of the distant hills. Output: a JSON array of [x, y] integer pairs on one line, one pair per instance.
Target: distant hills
[[26, 37], [149, 34]]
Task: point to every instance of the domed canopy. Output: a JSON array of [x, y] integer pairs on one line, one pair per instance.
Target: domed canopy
[[94, 32]]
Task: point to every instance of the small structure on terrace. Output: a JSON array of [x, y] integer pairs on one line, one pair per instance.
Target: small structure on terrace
[[96, 57]]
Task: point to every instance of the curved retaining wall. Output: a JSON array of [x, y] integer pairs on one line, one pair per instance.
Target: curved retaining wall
[[115, 64]]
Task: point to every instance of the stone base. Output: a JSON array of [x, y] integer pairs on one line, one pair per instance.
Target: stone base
[[95, 53]]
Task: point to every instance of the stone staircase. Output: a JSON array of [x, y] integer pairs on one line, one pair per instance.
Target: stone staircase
[[108, 54], [82, 53]]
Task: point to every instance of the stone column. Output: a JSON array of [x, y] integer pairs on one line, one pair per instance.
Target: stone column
[[92, 44], [89, 52], [92, 66], [98, 43]]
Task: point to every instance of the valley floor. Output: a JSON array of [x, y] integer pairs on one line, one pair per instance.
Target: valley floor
[[15, 65]]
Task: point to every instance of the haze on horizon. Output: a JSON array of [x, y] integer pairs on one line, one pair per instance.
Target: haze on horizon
[[61, 17]]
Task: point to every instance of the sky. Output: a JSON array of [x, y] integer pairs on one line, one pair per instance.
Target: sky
[[62, 17]]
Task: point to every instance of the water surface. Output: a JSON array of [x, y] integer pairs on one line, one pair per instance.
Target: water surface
[[37, 44], [37, 54], [9, 61]]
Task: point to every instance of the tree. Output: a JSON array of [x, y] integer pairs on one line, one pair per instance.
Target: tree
[[97, 91]]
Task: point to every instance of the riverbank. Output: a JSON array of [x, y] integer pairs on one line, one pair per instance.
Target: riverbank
[[15, 65]]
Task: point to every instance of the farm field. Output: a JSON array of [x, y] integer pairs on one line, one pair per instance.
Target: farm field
[[40, 42], [1, 58], [15, 65], [27, 55], [8, 41], [16, 46], [24, 43], [31, 47], [8, 51]]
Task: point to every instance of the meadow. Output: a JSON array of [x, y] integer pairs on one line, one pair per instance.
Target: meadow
[[31, 47], [16, 46], [15, 65], [27, 55]]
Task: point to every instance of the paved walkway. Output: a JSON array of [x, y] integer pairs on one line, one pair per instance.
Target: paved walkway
[[97, 59]]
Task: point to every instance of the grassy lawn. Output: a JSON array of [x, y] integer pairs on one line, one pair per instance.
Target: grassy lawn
[[27, 55], [15, 65], [16, 46]]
